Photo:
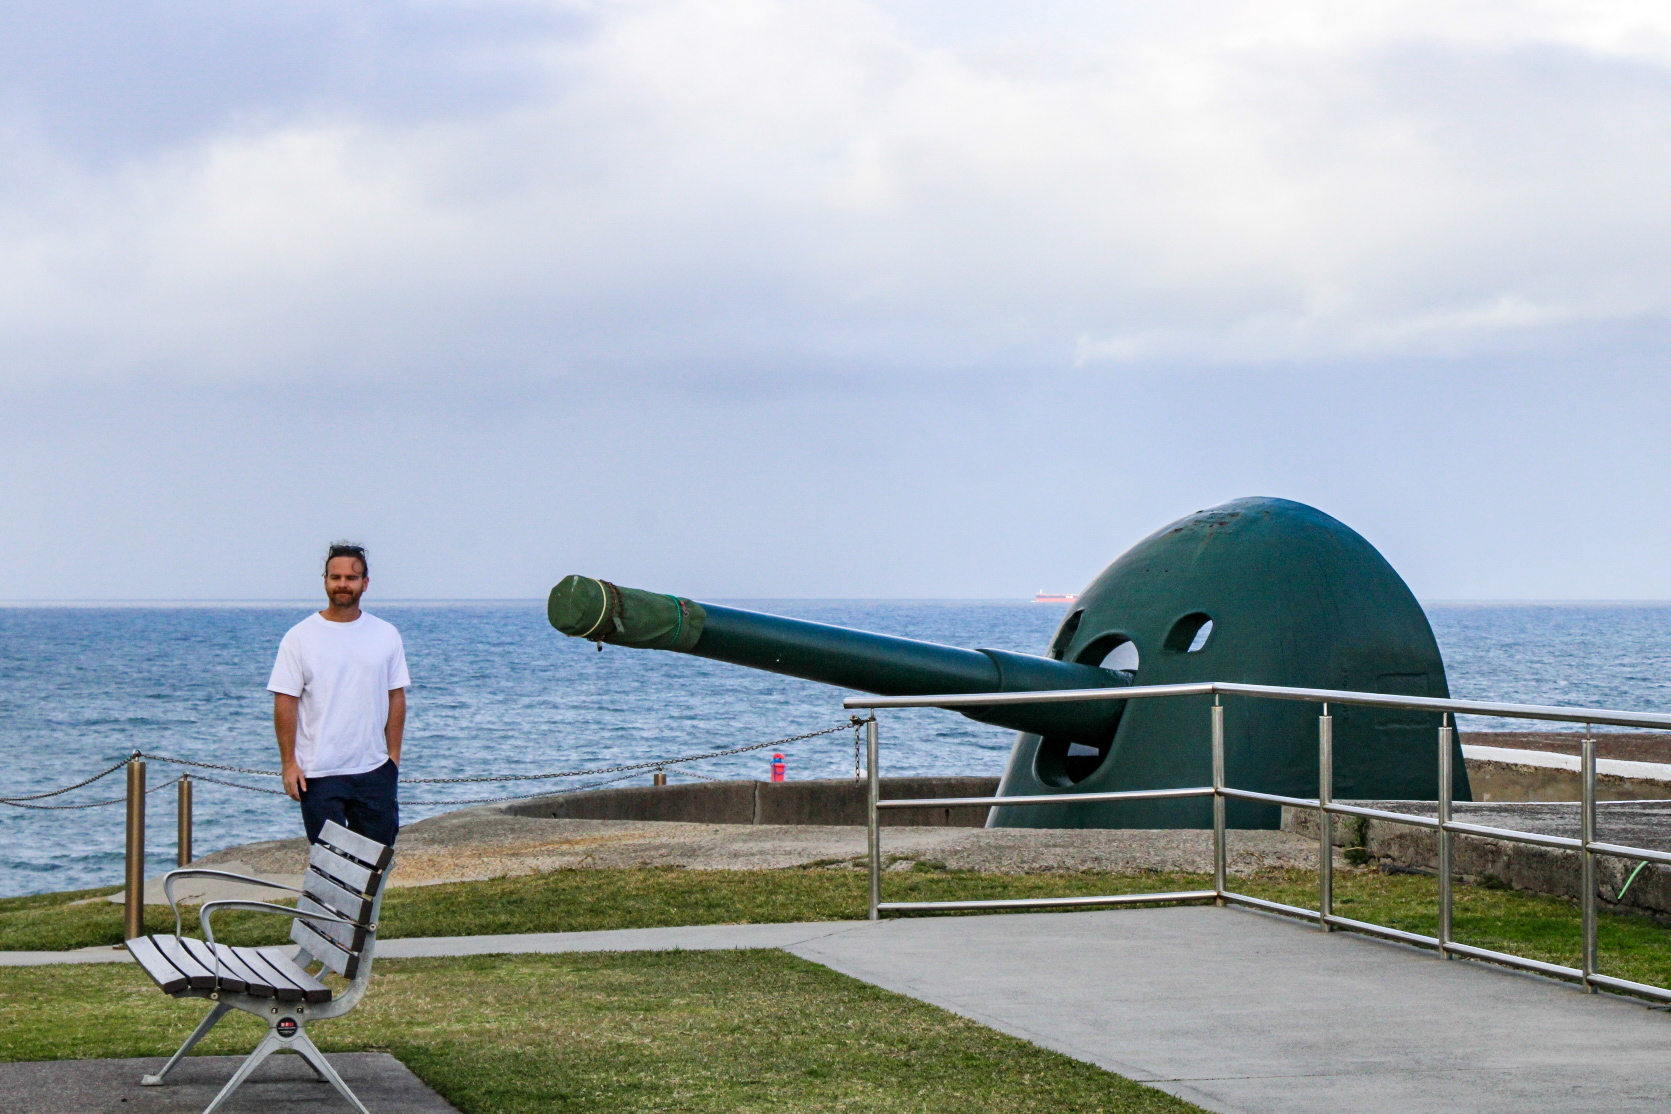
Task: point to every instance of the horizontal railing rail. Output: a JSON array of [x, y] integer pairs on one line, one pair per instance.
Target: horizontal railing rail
[[1325, 808], [1604, 716]]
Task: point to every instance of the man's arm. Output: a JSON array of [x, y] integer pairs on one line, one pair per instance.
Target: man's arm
[[396, 726], [284, 726]]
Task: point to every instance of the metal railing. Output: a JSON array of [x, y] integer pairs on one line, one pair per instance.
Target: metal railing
[[1323, 804]]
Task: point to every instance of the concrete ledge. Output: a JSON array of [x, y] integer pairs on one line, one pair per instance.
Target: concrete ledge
[[834, 802], [1503, 774]]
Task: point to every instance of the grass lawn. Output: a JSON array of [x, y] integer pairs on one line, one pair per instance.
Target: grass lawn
[[1533, 925], [673, 1031]]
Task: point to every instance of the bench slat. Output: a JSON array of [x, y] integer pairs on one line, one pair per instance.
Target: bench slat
[[350, 938], [231, 978], [154, 963], [343, 869], [337, 899], [326, 950], [284, 989], [258, 982], [198, 976], [367, 850], [311, 988]]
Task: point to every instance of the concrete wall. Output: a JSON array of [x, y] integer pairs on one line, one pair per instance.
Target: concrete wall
[[836, 801], [1512, 781], [1495, 862]]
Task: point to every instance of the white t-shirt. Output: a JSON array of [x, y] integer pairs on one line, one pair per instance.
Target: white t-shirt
[[343, 672]]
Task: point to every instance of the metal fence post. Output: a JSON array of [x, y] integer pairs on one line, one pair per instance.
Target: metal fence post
[[133, 906], [1587, 836], [182, 821], [1218, 801], [1325, 819], [874, 785], [1445, 791]]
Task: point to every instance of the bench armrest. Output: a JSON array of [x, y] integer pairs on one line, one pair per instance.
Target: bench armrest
[[205, 872], [211, 907]]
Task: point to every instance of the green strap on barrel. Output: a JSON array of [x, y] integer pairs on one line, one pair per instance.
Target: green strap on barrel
[[599, 611]]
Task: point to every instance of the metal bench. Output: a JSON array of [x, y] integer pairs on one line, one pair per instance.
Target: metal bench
[[335, 922]]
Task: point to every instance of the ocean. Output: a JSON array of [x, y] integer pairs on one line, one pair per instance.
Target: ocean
[[497, 691]]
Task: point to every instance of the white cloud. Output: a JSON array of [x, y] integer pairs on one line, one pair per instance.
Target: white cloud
[[765, 187]]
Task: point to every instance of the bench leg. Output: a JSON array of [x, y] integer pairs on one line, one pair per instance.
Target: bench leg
[[305, 1048], [269, 1044], [219, 1011]]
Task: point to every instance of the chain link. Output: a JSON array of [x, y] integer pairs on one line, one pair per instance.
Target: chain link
[[235, 785], [95, 804], [66, 789], [206, 765], [652, 764], [852, 720], [626, 770]]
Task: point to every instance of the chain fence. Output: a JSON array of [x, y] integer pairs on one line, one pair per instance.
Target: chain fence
[[624, 770]]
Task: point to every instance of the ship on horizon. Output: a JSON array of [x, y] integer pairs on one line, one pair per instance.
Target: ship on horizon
[[1053, 597]]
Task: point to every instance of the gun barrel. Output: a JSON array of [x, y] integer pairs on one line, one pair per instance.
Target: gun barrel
[[851, 659]]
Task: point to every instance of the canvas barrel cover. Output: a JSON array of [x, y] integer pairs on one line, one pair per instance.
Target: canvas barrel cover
[[598, 611]]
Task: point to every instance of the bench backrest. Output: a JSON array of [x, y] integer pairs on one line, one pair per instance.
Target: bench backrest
[[344, 879]]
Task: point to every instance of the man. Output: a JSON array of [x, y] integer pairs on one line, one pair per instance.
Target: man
[[339, 707]]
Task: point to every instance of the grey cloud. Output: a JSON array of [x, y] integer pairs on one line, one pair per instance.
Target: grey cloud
[[526, 193]]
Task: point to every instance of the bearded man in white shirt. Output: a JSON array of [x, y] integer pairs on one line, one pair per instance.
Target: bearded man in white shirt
[[339, 707]]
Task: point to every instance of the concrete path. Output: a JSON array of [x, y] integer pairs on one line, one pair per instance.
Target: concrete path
[[1238, 1011], [282, 1085], [1230, 1009]]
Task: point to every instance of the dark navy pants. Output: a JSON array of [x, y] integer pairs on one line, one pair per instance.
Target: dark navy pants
[[363, 803]]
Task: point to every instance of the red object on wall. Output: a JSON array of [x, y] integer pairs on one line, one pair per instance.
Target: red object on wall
[[777, 767]]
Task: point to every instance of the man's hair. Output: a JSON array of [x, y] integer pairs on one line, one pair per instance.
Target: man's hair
[[348, 549]]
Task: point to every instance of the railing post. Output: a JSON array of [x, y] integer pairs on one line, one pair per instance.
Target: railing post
[[1587, 835], [1218, 801], [182, 822], [1325, 819], [874, 786], [1445, 792], [133, 905]]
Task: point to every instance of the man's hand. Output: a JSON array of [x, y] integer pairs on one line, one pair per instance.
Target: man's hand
[[294, 783], [395, 727], [285, 713]]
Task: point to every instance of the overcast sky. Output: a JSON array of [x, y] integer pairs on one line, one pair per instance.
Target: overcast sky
[[744, 298]]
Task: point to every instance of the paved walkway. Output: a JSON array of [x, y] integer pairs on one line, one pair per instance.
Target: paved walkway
[[1231, 1009], [282, 1085], [1239, 1011]]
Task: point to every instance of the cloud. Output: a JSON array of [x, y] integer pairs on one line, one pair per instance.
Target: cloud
[[754, 191]]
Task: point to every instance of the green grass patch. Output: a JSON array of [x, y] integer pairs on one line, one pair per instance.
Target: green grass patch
[[687, 1031]]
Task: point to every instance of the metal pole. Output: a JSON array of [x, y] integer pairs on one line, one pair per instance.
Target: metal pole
[[874, 785], [1445, 791], [182, 818], [1325, 819], [660, 778], [133, 906], [1587, 820], [1218, 801]]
